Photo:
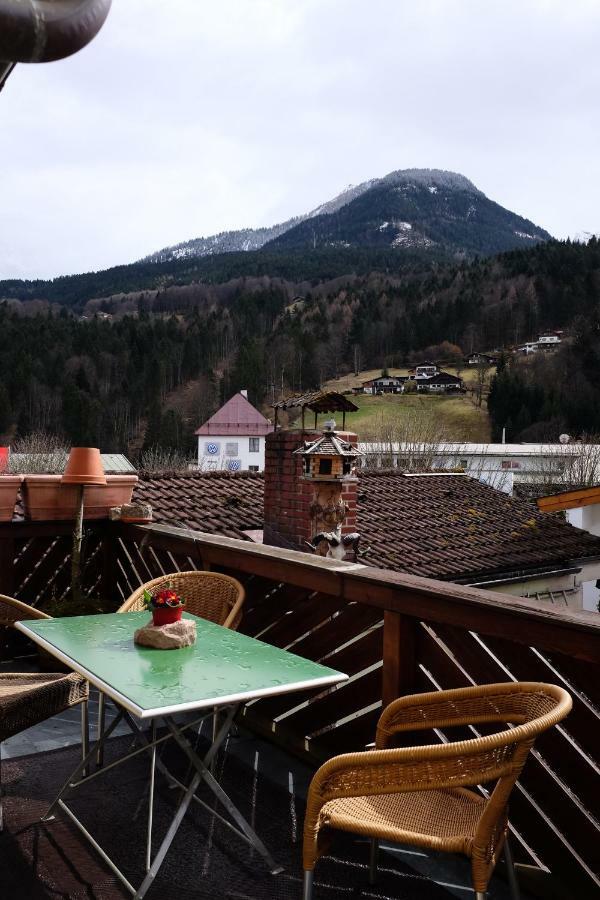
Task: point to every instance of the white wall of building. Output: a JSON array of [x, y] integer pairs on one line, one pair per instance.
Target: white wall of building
[[588, 518], [499, 465], [231, 452]]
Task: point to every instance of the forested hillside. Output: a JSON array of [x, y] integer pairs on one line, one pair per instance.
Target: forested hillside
[[457, 219], [117, 383]]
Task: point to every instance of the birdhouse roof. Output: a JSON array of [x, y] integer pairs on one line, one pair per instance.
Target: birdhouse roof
[[329, 444]]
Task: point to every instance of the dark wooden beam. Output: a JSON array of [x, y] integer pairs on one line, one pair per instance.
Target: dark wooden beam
[[399, 656]]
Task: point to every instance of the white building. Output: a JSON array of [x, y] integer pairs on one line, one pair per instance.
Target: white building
[[500, 465], [234, 438], [582, 509], [544, 342], [548, 340]]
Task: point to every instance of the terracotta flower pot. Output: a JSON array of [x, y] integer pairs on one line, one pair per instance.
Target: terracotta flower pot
[[84, 466], [48, 497], [98, 499], [165, 615], [9, 488]]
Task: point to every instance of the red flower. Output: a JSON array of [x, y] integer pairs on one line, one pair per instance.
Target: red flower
[[165, 597]]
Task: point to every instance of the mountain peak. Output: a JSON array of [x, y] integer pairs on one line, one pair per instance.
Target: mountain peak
[[431, 178]]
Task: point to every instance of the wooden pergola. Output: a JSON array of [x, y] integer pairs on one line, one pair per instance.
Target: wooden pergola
[[317, 402]]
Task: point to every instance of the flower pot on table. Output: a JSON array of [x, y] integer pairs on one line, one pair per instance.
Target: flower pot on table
[[166, 615], [9, 488], [48, 497]]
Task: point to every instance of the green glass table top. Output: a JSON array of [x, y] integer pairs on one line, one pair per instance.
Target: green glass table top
[[222, 667]]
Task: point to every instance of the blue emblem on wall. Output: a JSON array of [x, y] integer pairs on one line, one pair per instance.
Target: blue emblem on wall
[[234, 465], [212, 449]]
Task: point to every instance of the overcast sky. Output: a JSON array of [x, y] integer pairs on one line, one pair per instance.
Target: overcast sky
[[188, 117]]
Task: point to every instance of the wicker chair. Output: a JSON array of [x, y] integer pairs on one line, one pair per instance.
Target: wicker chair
[[210, 595], [421, 795], [29, 698]]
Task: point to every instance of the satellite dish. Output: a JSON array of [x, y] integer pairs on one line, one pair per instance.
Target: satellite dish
[[564, 438]]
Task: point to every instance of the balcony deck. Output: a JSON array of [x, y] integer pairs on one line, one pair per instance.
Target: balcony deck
[[392, 634]]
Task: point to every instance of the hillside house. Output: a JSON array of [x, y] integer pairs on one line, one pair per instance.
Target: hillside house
[[233, 439], [385, 384], [441, 383], [545, 342], [478, 359], [548, 341]]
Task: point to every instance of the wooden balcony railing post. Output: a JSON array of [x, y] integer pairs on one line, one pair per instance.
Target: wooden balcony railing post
[[399, 656], [109, 561]]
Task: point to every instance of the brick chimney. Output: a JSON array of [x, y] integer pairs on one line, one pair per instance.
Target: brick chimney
[[296, 506]]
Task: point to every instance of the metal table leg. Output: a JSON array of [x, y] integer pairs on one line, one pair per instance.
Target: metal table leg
[[200, 767]]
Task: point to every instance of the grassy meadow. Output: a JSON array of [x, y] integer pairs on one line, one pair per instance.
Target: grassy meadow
[[455, 417]]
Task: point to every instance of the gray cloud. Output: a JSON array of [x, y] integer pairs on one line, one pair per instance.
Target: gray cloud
[[191, 116]]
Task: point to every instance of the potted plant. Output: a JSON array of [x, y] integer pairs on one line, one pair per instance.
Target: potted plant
[[165, 605]]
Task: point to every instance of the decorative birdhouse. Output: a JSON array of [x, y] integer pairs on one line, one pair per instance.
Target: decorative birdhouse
[[329, 458]]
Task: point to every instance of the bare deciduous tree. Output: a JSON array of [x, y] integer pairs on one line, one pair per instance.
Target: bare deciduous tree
[[39, 453], [573, 465]]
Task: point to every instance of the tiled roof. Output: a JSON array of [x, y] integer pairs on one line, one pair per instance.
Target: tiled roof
[[216, 502], [237, 416], [443, 526], [444, 378], [454, 527]]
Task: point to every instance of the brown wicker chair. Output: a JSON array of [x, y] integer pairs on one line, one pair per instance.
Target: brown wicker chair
[[210, 595], [421, 795], [29, 698]]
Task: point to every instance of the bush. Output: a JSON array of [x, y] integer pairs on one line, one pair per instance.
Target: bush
[[39, 453], [161, 459]]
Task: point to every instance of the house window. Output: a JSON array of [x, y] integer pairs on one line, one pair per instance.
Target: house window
[[325, 466], [463, 463], [506, 463], [253, 468], [231, 449], [254, 445]]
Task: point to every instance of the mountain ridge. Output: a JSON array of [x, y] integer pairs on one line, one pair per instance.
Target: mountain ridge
[[423, 180]]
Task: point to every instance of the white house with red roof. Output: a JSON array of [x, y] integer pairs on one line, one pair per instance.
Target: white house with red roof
[[234, 438]]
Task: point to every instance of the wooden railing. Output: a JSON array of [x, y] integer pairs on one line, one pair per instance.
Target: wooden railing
[[392, 634]]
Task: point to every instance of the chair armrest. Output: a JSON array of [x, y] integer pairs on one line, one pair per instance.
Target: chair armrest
[[442, 709], [235, 614], [464, 763]]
